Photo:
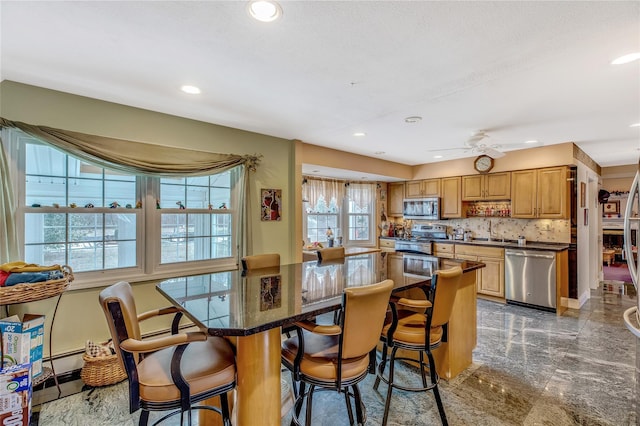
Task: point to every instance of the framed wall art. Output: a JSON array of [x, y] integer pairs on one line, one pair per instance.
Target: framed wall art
[[611, 208], [271, 206]]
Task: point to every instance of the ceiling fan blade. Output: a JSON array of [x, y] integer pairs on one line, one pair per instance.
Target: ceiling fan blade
[[492, 152], [446, 149], [477, 137]]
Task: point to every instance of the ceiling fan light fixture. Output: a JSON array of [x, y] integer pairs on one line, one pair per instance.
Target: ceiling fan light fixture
[[626, 58], [192, 90], [264, 10]]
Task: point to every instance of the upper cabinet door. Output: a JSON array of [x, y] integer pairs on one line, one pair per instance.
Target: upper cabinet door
[[493, 186], [523, 194], [497, 186], [395, 197], [553, 193], [422, 188], [472, 188], [413, 189], [451, 203], [541, 193], [431, 187]]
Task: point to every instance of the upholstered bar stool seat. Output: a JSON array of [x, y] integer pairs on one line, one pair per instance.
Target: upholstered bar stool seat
[[205, 365]]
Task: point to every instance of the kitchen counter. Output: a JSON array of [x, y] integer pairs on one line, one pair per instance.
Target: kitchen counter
[[309, 254], [530, 245]]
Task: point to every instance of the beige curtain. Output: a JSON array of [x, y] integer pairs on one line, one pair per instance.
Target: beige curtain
[[362, 194], [8, 235], [132, 158], [315, 188]]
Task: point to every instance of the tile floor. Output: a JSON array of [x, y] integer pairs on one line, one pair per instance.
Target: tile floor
[[530, 368]]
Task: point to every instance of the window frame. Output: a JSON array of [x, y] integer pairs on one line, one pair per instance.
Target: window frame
[[148, 246]]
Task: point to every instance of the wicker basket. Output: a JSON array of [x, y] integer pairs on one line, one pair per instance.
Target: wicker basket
[[30, 292], [101, 370]]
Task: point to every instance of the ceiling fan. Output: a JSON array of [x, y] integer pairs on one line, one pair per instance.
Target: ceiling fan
[[477, 145]]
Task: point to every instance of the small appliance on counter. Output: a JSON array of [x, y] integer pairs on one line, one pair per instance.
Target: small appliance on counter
[[458, 234]]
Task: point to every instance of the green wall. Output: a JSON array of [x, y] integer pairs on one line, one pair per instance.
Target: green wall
[[79, 317]]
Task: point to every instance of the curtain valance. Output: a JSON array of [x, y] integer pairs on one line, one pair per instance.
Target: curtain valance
[[314, 189], [135, 157]]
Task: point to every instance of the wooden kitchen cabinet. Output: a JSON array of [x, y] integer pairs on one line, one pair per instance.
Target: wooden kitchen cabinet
[[494, 186], [387, 244], [422, 188], [395, 195], [490, 279], [540, 193], [451, 202], [446, 250]]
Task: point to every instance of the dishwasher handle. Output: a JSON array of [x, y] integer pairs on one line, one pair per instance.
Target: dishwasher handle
[[521, 254]]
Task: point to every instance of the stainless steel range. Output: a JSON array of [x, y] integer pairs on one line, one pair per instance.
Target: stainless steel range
[[421, 239]]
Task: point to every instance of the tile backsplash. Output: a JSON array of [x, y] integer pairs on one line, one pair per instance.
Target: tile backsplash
[[540, 230]]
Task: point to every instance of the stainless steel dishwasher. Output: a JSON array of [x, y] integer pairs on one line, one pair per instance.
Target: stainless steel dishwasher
[[530, 278]]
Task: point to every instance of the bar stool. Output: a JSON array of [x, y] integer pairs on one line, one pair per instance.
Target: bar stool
[[420, 326], [338, 357], [330, 253]]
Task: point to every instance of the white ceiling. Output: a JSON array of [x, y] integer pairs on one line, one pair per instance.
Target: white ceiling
[[519, 70]]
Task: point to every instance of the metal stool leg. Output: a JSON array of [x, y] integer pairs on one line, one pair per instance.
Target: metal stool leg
[[390, 385], [436, 392]]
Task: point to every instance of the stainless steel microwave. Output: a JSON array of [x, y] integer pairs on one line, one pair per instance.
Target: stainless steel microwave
[[421, 208]]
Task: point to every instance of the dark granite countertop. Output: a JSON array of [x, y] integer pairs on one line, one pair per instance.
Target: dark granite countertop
[[232, 303], [510, 244]]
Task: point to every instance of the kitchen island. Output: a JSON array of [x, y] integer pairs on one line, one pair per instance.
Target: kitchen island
[[491, 283], [254, 305]]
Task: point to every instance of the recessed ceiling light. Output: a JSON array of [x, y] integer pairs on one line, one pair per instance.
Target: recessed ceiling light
[[635, 125], [359, 134], [413, 119], [437, 156], [379, 152], [626, 58], [192, 90], [531, 141], [315, 171], [264, 10]]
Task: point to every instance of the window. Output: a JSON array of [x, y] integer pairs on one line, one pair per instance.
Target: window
[[320, 219], [195, 231], [98, 220], [67, 214], [348, 213]]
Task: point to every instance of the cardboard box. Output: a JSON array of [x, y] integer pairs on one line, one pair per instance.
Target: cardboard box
[[15, 395], [23, 341]]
